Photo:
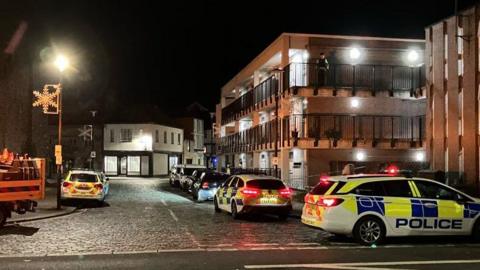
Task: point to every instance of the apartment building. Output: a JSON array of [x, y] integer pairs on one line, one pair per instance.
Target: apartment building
[[289, 115], [452, 64], [143, 149]]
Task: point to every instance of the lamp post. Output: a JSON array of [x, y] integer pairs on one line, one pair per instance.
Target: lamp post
[[61, 63]]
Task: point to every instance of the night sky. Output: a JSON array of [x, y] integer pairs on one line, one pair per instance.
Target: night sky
[[173, 53]]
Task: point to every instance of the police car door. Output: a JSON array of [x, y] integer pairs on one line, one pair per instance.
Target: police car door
[[446, 208], [230, 192], [222, 192]]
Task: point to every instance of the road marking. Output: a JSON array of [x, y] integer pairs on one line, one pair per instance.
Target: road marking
[[173, 215], [261, 244], [163, 202], [361, 265]]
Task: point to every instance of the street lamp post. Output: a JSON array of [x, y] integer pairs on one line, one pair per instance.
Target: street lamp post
[[61, 63]]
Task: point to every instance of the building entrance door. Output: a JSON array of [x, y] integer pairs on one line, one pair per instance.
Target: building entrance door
[[123, 165]]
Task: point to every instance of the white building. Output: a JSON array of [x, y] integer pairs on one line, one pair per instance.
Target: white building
[[141, 149], [194, 146]]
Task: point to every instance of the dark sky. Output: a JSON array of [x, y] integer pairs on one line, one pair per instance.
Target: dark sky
[[173, 53]]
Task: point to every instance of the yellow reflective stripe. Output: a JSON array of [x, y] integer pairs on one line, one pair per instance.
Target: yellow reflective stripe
[[351, 185], [330, 190], [414, 188]]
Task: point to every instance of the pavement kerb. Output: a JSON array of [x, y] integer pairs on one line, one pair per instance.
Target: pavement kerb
[[68, 211]]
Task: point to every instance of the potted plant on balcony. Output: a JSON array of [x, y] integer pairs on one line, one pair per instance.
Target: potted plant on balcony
[[333, 136]]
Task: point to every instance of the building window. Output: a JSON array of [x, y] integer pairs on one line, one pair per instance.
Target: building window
[[172, 138], [165, 137], [112, 135], [179, 138], [189, 161], [125, 135], [157, 136]]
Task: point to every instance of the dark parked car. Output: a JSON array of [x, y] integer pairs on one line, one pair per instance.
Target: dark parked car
[[205, 188], [190, 176]]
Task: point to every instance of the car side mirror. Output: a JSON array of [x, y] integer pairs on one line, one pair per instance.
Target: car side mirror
[[107, 179]]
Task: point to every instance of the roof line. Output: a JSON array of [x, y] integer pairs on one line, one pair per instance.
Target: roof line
[[355, 37]]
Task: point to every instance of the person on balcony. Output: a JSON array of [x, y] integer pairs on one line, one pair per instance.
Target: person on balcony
[[322, 70]]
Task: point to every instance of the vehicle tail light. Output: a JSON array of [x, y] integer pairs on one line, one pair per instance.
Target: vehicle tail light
[[205, 185], [392, 170], [98, 186], [329, 202], [66, 184], [250, 192], [286, 192]]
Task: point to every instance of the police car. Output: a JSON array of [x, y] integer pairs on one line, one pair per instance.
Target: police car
[[373, 207], [241, 194]]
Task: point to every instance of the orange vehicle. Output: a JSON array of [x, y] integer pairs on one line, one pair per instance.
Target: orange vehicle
[[22, 182]]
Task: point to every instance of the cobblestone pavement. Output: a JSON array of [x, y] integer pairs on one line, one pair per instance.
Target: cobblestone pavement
[[149, 215]]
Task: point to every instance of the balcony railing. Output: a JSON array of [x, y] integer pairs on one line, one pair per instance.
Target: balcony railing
[[255, 138], [372, 128], [260, 95], [374, 78], [352, 128]]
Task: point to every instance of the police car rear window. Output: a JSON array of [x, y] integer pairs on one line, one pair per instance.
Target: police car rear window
[[83, 177], [322, 187], [266, 184]]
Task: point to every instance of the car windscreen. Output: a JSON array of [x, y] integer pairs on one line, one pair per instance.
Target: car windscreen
[[218, 178], [83, 177], [321, 188], [188, 171], [266, 184]]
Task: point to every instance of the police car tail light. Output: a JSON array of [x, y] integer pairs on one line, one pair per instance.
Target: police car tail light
[[329, 202], [205, 185], [392, 169], [250, 192], [286, 192], [66, 184], [98, 186]]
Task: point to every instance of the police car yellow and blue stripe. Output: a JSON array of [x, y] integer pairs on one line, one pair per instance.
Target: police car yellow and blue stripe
[[341, 207]]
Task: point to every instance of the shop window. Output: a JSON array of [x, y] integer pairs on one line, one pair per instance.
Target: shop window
[[112, 135], [157, 136], [172, 138]]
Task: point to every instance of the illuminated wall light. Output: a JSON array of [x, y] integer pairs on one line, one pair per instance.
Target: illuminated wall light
[[354, 54], [412, 56], [360, 156], [354, 103], [420, 156]]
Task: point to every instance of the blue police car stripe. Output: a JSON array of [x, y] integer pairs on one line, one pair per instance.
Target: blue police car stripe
[[370, 204], [471, 210], [420, 210], [239, 202]]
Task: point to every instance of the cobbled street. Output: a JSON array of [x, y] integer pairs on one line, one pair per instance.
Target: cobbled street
[[148, 215]]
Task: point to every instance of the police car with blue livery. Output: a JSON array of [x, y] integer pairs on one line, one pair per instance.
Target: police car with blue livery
[[373, 207]]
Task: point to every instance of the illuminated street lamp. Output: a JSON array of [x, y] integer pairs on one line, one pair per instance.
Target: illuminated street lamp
[[61, 62]]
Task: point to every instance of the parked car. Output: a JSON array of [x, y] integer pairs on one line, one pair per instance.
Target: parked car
[[207, 185], [187, 180], [178, 171], [242, 194], [85, 184]]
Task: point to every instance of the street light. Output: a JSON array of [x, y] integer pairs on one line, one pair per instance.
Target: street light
[[61, 62]]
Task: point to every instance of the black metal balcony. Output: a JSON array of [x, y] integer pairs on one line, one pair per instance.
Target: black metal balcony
[[353, 128], [255, 97], [374, 78]]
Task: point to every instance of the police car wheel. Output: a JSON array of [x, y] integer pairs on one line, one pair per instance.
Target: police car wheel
[[369, 231], [215, 205], [234, 210]]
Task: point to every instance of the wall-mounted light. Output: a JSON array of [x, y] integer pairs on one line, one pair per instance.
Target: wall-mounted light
[[360, 156], [412, 56], [420, 156], [354, 54], [354, 103]]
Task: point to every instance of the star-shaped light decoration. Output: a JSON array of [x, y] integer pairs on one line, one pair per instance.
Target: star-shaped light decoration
[[47, 99]]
